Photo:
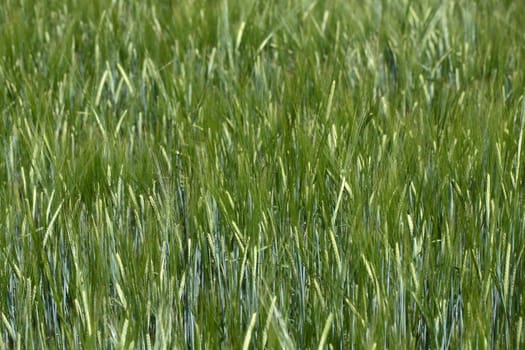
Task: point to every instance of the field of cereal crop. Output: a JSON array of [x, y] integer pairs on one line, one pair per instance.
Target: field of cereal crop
[[248, 174]]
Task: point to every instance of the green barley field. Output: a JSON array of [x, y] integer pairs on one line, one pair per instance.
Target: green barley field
[[248, 174]]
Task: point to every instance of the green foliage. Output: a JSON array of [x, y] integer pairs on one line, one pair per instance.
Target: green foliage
[[262, 174]]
